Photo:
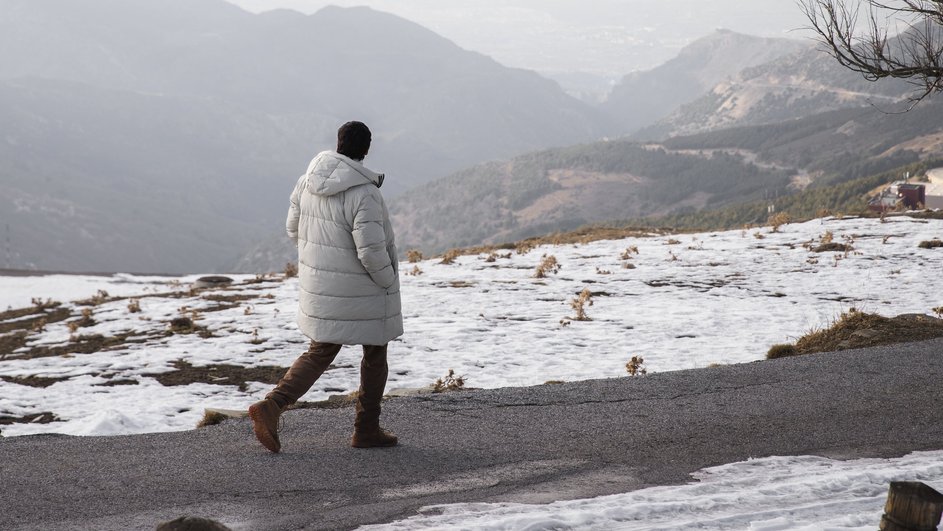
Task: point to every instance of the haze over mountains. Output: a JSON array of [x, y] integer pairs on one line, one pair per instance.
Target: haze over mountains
[[151, 136], [146, 136], [797, 120]]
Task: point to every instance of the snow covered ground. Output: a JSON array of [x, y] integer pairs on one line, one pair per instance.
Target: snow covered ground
[[684, 302], [722, 297], [801, 493]]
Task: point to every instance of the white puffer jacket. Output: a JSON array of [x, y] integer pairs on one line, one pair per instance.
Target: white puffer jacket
[[347, 266]]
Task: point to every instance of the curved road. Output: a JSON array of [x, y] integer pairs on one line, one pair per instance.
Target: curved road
[[536, 444]]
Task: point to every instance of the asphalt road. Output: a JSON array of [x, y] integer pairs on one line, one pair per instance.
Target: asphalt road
[[536, 444]]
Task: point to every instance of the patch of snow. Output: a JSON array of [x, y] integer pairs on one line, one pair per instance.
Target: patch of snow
[[721, 297], [803, 493]]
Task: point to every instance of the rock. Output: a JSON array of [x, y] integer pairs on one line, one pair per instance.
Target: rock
[[832, 247], [192, 523], [215, 281], [866, 334]]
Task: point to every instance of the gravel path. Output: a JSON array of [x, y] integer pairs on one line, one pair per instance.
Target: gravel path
[[537, 444]]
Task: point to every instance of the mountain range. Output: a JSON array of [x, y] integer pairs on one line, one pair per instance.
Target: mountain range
[[165, 137], [765, 131], [148, 136]]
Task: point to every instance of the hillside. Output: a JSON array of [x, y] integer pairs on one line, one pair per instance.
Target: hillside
[[165, 136], [722, 297], [642, 98], [564, 188], [805, 83]]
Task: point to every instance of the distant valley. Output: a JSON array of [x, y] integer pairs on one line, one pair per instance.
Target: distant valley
[[149, 136], [165, 137]]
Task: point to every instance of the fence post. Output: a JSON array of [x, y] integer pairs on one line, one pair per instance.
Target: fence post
[[912, 506]]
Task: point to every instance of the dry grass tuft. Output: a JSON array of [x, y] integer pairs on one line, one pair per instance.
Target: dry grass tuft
[[413, 256], [580, 303], [548, 265], [449, 383], [291, 270], [778, 220], [931, 244], [211, 418], [636, 366], [781, 351], [855, 329], [449, 257]]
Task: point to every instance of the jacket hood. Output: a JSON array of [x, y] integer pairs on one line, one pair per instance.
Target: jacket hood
[[331, 173]]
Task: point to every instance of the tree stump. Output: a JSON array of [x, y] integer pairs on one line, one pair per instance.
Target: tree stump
[[912, 506]]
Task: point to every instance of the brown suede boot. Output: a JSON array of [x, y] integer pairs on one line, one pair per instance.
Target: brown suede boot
[[378, 439], [373, 373], [264, 417]]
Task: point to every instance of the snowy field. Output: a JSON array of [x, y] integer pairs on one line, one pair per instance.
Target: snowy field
[[686, 302], [802, 493], [678, 301]]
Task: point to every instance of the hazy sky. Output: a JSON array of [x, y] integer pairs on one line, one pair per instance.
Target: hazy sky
[[604, 37]]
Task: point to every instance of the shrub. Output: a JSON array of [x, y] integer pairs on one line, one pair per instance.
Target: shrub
[[134, 306], [636, 366], [547, 265], [778, 220], [413, 256], [449, 383], [828, 237], [781, 351], [414, 272], [40, 304], [291, 270], [580, 303], [256, 340], [211, 418], [628, 252], [449, 257], [931, 244], [525, 247], [86, 319]]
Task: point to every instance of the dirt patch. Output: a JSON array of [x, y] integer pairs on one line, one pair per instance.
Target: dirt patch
[[85, 344], [223, 374], [36, 418], [856, 329], [455, 284], [27, 318], [235, 297], [11, 342], [116, 383], [832, 247], [32, 381], [185, 325]]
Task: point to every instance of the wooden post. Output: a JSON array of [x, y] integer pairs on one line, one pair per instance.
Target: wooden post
[[912, 506]]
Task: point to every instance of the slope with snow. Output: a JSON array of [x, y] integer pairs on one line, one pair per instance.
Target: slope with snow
[[684, 302]]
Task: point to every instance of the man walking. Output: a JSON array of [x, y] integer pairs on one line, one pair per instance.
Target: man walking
[[347, 271]]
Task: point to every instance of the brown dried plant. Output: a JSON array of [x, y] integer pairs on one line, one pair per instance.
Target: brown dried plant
[[580, 303]]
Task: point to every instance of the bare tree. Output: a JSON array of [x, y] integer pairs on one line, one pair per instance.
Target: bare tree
[[884, 38]]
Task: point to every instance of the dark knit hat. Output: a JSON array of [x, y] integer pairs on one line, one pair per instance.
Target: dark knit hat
[[353, 140]]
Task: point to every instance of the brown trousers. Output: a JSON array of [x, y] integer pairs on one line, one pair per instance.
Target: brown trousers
[[311, 365]]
